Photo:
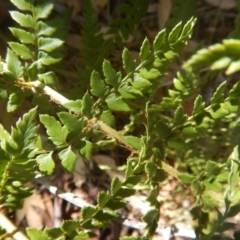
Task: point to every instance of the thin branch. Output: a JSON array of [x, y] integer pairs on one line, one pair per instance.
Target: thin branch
[[59, 99], [11, 229]]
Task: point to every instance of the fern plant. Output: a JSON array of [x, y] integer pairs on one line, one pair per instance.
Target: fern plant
[[78, 126], [181, 11], [119, 30]]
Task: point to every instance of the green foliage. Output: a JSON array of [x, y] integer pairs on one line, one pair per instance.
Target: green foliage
[[92, 57], [120, 29], [182, 11], [218, 56], [38, 47], [67, 229], [159, 128], [132, 11], [18, 151], [37, 37]]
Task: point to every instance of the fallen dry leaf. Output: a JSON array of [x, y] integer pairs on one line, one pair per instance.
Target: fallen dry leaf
[[32, 211], [223, 4], [99, 4], [164, 8]]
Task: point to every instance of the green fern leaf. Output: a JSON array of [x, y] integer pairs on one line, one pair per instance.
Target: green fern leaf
[[129, 92], [115, 103], [174, 34], [74, 106], [98, 87], [141, 83], [57, 134], [74, 125], [87, 105], [23, 4], [45, 163], [22, 35], [198, 105], [112, 77], [49, 79], [159, 41], [49, 58], [36, 234], [128, 63], [4, 134], [21, 50], [180, 34], [115, 185], [43, 10], [141, 79], [15, 100], [49, 44], [47, 29], [13, 64], [108, 118], [68, 158], [25, 20], [219, 94], [85, 149], [145, 50], [154, 64], [218, 56], [179, 116]]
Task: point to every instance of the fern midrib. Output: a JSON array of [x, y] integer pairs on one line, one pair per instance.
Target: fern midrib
[[6, 175]]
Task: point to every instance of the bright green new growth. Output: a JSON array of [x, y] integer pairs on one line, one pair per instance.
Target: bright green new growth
[[81, 125]]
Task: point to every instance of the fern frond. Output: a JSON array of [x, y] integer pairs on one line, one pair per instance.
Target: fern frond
[[217, 57], [17, 160], [140, 82], [184, 85], [132, 11], [182, 11], [39, 45], [92, 56], [40, 39], [33, 46]]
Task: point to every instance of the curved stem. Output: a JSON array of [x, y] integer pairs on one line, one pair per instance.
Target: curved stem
[[56, 97]]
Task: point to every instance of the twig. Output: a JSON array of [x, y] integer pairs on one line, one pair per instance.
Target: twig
[[11, 229], [58, 98]]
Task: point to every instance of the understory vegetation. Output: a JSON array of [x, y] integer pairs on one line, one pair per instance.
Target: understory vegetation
[[168, 125]]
